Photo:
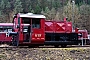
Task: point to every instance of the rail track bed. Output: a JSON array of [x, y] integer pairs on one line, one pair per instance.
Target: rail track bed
[[45, 53]]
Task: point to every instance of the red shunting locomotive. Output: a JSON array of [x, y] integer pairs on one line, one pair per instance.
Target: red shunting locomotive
[[42, 32]]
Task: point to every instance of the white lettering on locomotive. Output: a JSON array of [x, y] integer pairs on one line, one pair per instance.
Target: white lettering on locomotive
[[37, 35]]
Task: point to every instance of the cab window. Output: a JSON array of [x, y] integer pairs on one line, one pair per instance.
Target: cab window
[[35, 23]]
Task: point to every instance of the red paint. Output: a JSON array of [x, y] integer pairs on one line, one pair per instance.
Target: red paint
[[84, 33], [38, 35], [58, 26], [4, 29]]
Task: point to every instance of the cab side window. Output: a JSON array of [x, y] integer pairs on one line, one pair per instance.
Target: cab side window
[[36, 23]]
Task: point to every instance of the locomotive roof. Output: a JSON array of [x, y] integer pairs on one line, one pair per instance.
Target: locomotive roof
[[31, 15], [11, 24], [6, 24]]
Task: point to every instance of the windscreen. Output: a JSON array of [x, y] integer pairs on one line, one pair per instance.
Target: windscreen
[[26, 20]]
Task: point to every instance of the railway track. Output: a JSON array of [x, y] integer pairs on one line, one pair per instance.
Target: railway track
[[69, 46]]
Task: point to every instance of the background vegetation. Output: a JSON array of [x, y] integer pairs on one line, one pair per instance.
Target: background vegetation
[[52, 9]]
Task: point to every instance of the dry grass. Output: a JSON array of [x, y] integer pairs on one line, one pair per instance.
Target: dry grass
[[45, 53]]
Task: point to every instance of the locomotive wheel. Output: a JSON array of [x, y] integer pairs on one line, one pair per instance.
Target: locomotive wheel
[[14, 41], [63, 46]]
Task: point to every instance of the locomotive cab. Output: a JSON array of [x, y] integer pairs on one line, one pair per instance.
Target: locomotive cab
[[30, 28]]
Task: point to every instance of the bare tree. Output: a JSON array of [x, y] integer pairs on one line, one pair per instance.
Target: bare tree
[[69, 10], [85, 16]]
